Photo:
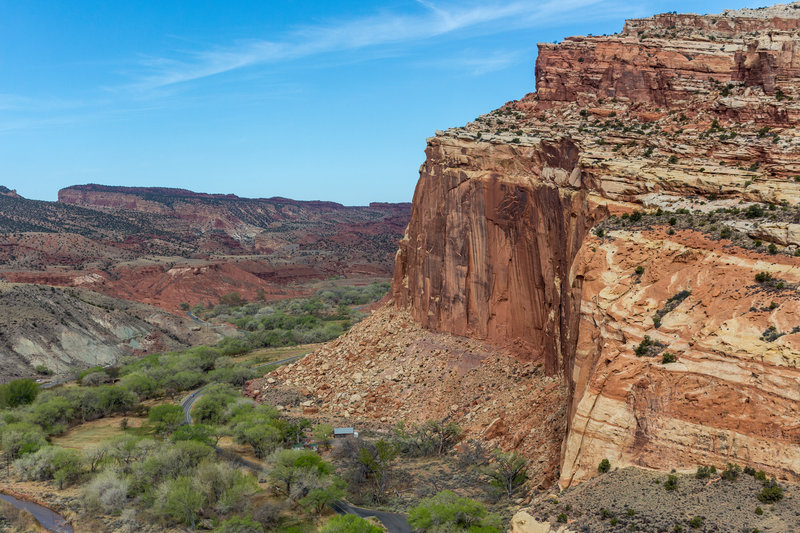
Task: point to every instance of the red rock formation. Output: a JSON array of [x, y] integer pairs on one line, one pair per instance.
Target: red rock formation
[[493, 233]]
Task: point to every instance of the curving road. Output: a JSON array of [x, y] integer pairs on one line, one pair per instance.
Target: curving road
[[49, 519], [395, 523], [188, 402]]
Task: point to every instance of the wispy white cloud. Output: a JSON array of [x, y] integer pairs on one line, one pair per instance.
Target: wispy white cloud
[[433, 20]]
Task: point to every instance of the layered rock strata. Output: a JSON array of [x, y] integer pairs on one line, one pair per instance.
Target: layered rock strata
[[684, 114]]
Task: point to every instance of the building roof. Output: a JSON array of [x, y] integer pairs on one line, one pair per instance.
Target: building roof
[[343, 431]]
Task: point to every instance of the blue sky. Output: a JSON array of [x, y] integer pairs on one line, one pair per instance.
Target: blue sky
[[303, 99]]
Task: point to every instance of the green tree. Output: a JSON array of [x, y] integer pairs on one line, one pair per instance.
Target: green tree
[[507, 472], [179, 500], [20, 438], [166, 417], [18, 392], [323, 433], [447, 512], [349, 523], [288, 466], [377, 460], [318, 498]]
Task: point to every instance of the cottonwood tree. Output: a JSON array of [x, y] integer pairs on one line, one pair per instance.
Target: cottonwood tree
[[377, 461], [448, 512]]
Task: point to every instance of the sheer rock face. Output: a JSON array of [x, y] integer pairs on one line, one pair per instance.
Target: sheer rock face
[[493, 233]]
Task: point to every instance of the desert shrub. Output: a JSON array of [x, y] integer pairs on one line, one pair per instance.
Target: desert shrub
[[226, 489], [239, 524], [202, 433], [179, 501], [140, 384], [473, 453], [323, 433], [448, 512], [166, 417], [52, 412], [671, 483], [18, 392], [562, 518], [95, 378], [234, 346], [428, 439], [704, 472], [268, 514], [763, 277], [759, 511], [604, 466], [732, 472], [754, 211], [771, 493], [42, 370], [349, 524], [107, 492], [21, 438], [668, 357], [286, 468], [696, 522], [507, 472], [50, 462], [236, 375], [212, 407]]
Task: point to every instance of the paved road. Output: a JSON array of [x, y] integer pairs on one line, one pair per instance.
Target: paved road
[[49, 519], [188, 402], [394, 522]]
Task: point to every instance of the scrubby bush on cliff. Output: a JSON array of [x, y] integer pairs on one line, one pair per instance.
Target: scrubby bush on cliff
[[671, 483], [732, 472], [771, 493], [604, 466], [704, 472]]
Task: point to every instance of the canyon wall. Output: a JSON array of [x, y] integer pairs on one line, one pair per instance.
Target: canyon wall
[[672, 108], [493, 233], [688, 123]]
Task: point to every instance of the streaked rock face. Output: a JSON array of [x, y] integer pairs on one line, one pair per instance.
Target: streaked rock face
[[493, 232]]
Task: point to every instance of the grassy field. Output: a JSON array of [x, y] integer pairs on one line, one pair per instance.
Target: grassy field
[[93, 433], [269, 355]]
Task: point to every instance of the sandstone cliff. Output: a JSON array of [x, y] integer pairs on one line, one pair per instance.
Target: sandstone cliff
[[689, 118]]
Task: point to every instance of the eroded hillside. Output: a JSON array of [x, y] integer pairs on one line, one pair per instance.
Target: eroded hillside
[[61, 329], [169, 246]]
